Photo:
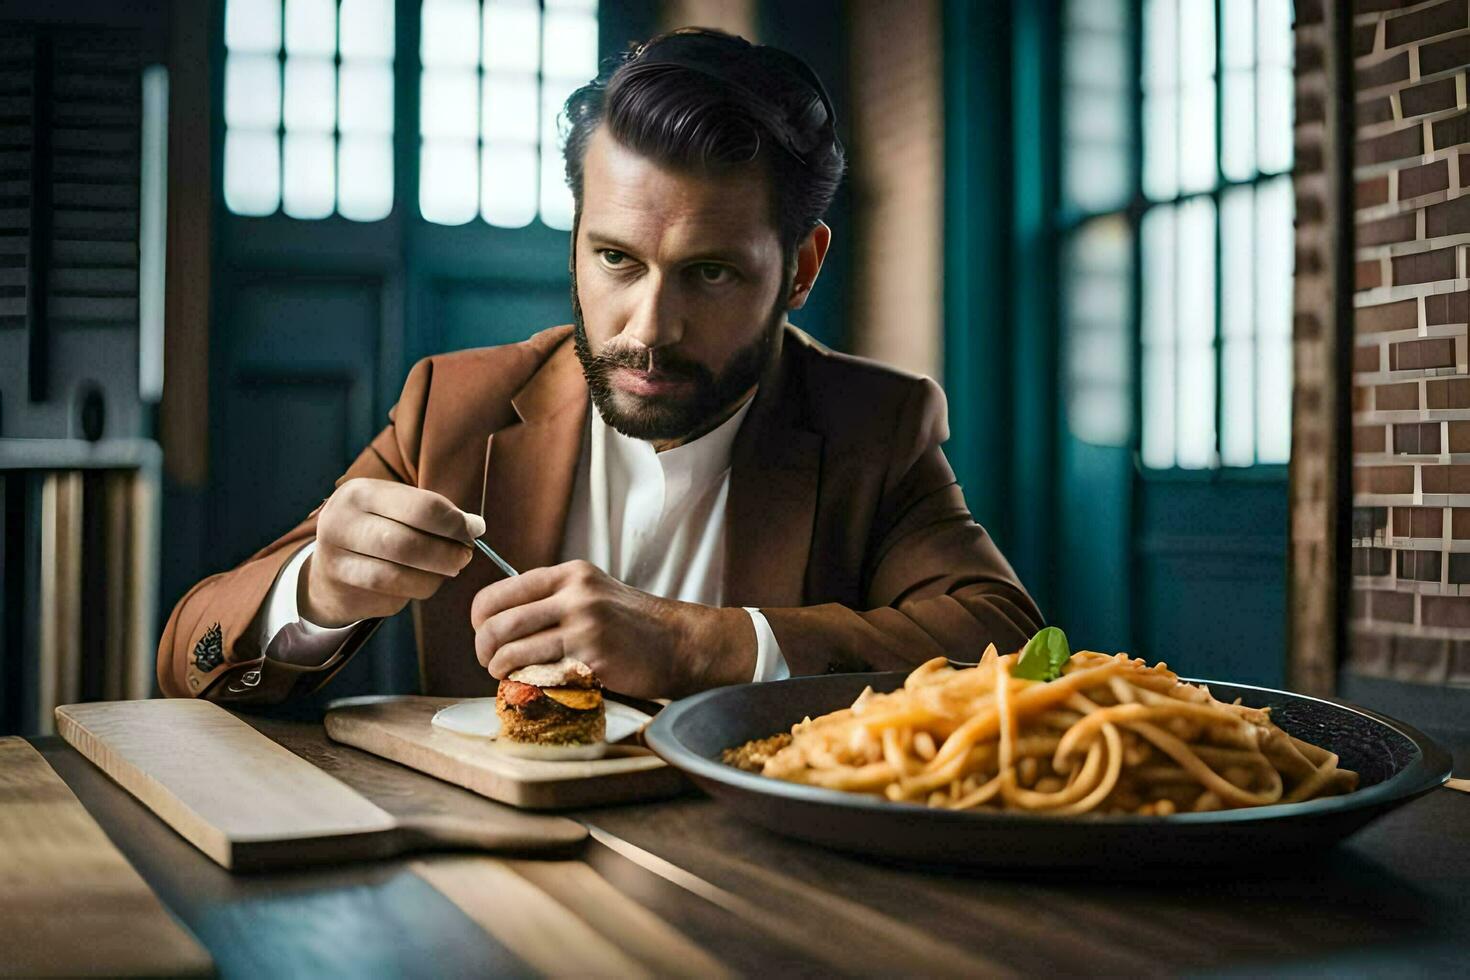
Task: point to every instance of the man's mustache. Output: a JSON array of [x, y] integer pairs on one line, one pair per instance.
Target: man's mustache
[[655, 364]]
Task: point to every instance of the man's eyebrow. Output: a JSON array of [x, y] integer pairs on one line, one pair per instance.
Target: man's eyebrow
[[599, 240]]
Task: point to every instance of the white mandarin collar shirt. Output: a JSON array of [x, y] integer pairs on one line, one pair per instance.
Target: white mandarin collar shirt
[[652, 520]]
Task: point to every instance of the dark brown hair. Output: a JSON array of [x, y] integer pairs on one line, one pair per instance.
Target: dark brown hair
[[704, 100]]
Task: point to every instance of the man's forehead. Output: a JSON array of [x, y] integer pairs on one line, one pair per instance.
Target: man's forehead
[[626, 195]]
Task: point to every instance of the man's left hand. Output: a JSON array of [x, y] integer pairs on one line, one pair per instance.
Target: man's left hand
[[636, 643]]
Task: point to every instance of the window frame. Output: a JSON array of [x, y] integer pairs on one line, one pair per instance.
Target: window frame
[[1068, 222]]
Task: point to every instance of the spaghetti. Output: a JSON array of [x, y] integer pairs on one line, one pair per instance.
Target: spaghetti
[[1109, 735]]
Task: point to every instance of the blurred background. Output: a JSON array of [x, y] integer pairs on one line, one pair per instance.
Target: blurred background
[[229, 228]]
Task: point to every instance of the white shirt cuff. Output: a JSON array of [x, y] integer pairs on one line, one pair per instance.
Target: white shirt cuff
[[285, 634], [769, 664]]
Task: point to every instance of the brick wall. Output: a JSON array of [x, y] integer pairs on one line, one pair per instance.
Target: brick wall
[[1410, 601]]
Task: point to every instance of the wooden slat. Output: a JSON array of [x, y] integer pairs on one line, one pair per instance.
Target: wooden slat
[[225, 788], [637, 931], [248, 802], [71, 904], [530, 923]]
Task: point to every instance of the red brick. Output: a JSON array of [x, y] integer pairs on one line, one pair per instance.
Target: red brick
[[1449, 218], [1418, 522], [1365, 36], [1368, 275], [1416, 439], [1417, 355], [1398, 145], [1460, 437], [1399, 228], [1395, 69], [1439, 19], [1429, 266], [1386, 479], [1370, 438], [1370, 193], [1393, 607], [1421, 100], [1444, 308], [1442, 56], [1448, 132], [1403, 315], [1451, 393], [1365, 359], [1414, 181], [1446, 610], [1396, 398], [1371, 111]]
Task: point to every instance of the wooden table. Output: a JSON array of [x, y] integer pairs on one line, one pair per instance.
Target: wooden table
[[1395, 898]]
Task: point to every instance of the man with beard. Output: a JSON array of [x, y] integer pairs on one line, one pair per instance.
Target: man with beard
[[742, 504]]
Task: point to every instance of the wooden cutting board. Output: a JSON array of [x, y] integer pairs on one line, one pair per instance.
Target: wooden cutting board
[[249, 803], [399, 728], [71, 904]]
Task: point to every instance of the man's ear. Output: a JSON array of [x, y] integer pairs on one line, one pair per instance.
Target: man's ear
[[809, 256]]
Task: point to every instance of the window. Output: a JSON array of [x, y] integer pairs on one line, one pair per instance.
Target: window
[[495, 77], [309, 108], [1206, 195]]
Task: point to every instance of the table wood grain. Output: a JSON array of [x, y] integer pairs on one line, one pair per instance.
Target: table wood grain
[[70, 903], [1395, 897]]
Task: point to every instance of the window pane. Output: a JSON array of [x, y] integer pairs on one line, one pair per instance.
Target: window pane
[[556, 197], [570, 47], [449, 105], [509, 181], [1097, 343], [1237, 327], [1238, 155], [1160, 99], [1275, 253], [451, 34], [1158, 279], [311, 27], [511, 108], [311, 94], [366, 104], [310, 175], [512, 36], [366, 28], [252, 172], [1097, 104], [447, 184], [1274, 105], [1196, 332], [1197, 167], [252, 91], [253, 25], [365, 176]]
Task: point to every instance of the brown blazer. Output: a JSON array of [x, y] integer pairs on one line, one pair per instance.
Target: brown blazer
[[844, 525]]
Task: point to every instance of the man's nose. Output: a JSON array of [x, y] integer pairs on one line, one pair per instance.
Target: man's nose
[[656, 319]]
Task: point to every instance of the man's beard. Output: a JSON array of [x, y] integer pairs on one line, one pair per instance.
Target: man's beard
[[675, 416]]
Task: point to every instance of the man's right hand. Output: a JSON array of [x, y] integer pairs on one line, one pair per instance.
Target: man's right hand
[[378, 545]]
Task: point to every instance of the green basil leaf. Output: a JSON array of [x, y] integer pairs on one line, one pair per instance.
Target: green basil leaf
[[1044, 656]]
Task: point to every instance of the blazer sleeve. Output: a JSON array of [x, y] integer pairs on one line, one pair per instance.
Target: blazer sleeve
[[208, 648], [934, 583]]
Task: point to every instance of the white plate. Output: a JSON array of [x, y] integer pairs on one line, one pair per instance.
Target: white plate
[[476, 717]]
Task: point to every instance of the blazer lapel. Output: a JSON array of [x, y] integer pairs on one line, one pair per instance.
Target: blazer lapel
[[530, 465], [774, 471]]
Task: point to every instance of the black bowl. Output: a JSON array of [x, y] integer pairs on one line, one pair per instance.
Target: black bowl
[[1394, 762]]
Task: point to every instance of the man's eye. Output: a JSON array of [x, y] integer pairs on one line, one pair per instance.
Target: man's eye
[[714, 274], [613, 257]]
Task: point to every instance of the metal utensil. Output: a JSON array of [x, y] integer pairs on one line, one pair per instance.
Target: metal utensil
[[490, 553]]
